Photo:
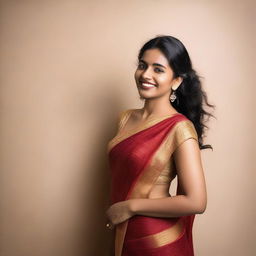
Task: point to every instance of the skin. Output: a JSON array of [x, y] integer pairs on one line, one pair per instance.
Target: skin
[[191, 195]]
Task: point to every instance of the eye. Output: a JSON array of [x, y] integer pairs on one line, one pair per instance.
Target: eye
[[140, 66], [159, 70]]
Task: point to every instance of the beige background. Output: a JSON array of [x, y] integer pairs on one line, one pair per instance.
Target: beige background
[[66, 70]]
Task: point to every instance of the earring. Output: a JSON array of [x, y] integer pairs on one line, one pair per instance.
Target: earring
[[173, 96]]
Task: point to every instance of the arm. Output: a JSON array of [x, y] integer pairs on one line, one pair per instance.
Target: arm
[[191, 179]]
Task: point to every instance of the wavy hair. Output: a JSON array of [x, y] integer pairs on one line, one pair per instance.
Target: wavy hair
[[191, 98]]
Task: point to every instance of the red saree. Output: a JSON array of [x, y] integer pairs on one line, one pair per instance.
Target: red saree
[[136, 159]]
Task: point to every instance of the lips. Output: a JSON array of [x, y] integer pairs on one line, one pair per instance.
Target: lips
[[145, 82], [147, 85]]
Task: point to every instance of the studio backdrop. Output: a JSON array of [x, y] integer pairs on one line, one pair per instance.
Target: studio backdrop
[[67, 70]]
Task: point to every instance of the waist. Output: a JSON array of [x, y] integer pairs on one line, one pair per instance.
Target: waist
[[140, 226], [159, 191]]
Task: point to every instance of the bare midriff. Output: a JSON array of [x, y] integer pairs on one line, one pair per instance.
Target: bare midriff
[[159, 191]]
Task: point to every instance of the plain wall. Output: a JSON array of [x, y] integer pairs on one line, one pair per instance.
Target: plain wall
[[66, 71]]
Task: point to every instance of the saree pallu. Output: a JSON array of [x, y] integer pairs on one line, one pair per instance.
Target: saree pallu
[[136, 159]]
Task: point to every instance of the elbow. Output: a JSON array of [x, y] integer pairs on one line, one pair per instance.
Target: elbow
[[199, 207], [200, 210]]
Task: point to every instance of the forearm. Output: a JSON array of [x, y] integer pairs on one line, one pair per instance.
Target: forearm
[[175, 206]]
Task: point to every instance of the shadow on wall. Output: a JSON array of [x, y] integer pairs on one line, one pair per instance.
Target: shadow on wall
[[99, 240]]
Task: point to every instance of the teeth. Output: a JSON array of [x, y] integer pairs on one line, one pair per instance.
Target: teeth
[[148, 85]]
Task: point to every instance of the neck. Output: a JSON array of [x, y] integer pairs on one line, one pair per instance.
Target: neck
[[157, 107]]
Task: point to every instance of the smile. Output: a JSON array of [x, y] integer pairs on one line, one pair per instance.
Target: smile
[[147, 85]]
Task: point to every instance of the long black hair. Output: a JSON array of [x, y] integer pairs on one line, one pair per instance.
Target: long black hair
[[190, 95]]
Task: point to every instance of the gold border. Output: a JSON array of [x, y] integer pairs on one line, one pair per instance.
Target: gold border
[[123, 117], [167, 236], [120, 136]]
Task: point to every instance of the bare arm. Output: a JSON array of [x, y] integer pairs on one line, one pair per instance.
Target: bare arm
[[193, 199]]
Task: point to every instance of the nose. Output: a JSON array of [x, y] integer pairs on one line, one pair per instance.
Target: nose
[[146, 74]]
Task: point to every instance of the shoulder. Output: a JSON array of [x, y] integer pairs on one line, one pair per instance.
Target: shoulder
[[123, 116], [123, 113], [184, 129]]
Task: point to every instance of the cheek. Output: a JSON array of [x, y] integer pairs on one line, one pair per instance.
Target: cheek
[[164, 80], [137, 74]]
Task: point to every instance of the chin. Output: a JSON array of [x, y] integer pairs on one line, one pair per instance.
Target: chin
[[145, 97]]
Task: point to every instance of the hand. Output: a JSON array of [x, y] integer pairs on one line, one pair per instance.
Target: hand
[[119, 212]]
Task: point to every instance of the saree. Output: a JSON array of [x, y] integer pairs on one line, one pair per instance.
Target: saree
[[136, 160]]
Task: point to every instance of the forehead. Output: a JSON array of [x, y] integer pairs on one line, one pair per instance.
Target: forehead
[[155, 56]]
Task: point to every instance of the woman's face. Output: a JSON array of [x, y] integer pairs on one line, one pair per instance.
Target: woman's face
[[154, 76]]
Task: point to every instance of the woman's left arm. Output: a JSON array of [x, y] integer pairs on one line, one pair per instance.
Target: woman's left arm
[[193, 199]]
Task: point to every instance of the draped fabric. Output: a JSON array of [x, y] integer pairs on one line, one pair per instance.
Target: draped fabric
[[136, 159]]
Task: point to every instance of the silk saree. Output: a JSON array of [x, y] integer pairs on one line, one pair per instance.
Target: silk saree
[[137, 158]]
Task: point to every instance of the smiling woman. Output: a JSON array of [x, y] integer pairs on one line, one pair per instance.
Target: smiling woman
[[154, 72], [152, 146]]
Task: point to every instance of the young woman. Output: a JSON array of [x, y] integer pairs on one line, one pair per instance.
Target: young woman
[[153, 145]]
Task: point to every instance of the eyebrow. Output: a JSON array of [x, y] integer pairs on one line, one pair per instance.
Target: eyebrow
[[154, 64]]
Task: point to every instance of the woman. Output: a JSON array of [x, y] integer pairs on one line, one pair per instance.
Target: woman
[[152, 146]]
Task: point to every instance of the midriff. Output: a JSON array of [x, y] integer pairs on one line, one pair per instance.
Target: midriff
[[159, 191]]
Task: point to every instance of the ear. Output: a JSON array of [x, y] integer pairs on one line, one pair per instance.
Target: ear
[[177, 82]]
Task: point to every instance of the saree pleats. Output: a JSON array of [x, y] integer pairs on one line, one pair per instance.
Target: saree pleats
[[136, 161]]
